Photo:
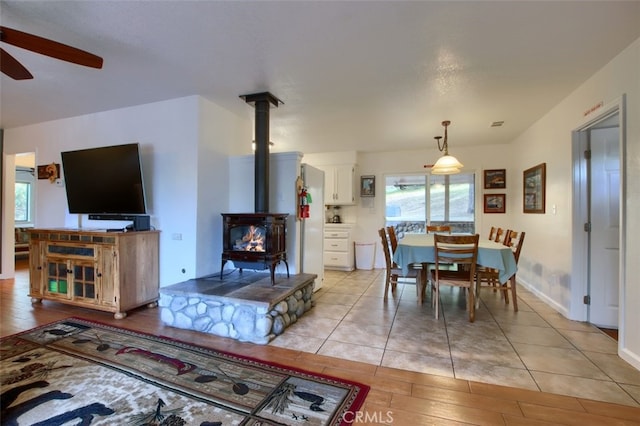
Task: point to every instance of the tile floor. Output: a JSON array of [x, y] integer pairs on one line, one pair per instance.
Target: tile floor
[[535, 348]]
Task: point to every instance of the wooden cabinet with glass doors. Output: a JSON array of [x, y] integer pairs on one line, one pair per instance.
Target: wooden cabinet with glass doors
[[113, 272]]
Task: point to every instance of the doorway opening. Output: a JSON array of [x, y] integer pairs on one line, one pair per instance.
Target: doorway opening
[[598, 230], [20, 195]]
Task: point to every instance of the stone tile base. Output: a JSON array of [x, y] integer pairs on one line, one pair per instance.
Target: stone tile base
[[242, 306]]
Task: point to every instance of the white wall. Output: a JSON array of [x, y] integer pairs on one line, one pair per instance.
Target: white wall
[[368, 213], [220, 130], [547, 267], [175, 134], [7, 220], [544, 267], [183, 152], [284, 168]]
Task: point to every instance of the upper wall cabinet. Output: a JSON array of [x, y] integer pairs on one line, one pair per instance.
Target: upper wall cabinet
[[339, 184]]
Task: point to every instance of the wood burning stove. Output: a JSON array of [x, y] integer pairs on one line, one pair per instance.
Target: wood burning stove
[[257, 240], [254, 241]]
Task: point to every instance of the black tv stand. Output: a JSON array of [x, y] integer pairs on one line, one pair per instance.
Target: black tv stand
[[140, 222]]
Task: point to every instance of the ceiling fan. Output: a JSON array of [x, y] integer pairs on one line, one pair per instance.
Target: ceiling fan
[[14, 69]]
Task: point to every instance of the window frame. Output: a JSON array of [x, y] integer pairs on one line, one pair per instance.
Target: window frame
[[428, 198], [26, 175]]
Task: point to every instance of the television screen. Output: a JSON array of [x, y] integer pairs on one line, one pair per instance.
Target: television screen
[[104, 180]]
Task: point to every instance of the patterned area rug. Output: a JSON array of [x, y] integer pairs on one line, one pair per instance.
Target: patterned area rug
[[81, 372]]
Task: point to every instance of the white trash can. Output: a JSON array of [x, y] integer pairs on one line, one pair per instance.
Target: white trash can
[[365, 255]]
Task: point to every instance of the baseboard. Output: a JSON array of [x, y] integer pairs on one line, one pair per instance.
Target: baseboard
[[630, 357], [549, 301]]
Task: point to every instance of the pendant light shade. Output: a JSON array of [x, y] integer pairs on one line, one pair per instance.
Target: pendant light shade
[[447, 164]]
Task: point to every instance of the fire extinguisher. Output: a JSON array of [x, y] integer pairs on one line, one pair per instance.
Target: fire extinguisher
[[304, 200]]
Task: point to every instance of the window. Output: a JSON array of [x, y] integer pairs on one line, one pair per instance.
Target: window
[[450, 199], [25, 181]]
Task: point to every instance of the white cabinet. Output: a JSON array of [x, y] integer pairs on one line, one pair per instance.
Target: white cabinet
[[338, 247], [339, 184]]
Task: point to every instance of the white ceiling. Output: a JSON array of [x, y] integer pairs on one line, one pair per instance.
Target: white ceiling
[[366, 76]]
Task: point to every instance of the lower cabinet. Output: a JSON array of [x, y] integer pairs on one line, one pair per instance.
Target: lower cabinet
[[338, 247], [114, 272]]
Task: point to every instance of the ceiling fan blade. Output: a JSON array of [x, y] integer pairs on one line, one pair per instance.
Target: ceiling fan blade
[[11, 67], [49, 48]]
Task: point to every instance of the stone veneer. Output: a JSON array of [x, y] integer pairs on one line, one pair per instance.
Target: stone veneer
[[242, 306]]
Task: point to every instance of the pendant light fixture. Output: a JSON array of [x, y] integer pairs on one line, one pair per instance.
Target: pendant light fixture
[[447, 164]]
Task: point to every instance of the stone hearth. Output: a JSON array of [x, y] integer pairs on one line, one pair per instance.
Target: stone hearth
[[242, 306]]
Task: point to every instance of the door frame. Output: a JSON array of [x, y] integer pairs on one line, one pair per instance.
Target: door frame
[[580, 248]]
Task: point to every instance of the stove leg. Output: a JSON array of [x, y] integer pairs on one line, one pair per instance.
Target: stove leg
[[272, 269], [222, 267]]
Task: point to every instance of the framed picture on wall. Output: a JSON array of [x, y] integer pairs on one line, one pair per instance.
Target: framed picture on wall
[[495, 179], [49, 171], [494, 203], [534, 188], [367, 186]]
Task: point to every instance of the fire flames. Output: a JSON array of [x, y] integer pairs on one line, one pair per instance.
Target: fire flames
[[253, 240]]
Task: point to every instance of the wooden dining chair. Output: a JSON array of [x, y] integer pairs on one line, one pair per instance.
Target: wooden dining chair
[[393, 242], [393, 272], [393, 239], [486, 277], [432, 229], [489, 276], [463, 251], [498, 235], [504, 239], [514, 240], [495, 234]]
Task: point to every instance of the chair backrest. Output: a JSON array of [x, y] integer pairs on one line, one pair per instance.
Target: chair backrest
[[438, 228], [458, 249], [393, 240], [385, 248], [498, 235], [492, 233], [507, 236], [515, 240]]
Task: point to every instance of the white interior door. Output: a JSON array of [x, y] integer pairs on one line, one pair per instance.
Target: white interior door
[[605, 227]]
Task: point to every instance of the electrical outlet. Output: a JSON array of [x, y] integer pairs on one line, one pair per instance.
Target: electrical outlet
[[176, 237]]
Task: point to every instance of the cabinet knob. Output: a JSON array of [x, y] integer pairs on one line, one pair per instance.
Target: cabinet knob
[[69, 271], [39, 267], [99, 274]]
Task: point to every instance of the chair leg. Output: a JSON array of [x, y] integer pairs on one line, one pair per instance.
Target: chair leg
[[512, 283], [394, 282], [386, 284], [436, 297], [472, 305]]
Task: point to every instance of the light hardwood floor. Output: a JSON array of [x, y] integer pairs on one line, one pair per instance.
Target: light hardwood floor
[[397, 396]]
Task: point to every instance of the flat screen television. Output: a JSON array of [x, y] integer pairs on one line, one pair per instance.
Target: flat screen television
[[105, 180]]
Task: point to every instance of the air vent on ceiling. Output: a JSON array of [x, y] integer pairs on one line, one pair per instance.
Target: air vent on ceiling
[[497, 124]]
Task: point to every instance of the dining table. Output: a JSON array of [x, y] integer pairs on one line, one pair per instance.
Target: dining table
[[420, 248]]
